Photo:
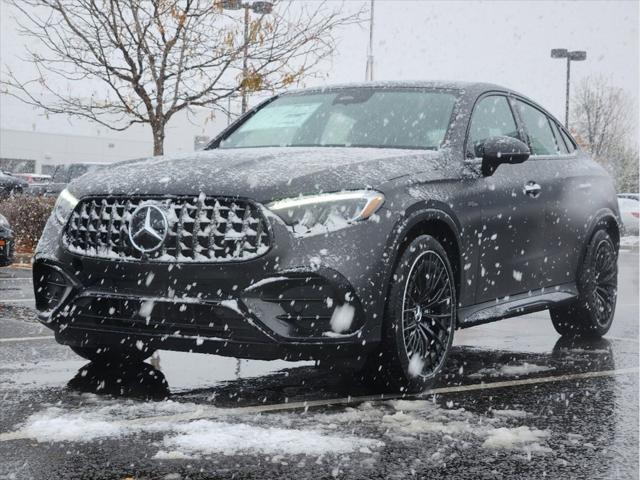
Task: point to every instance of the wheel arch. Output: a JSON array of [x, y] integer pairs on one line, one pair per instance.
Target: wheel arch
[[604, 219], [429, 221]]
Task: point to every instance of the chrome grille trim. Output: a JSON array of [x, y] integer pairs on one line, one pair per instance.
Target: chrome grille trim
[[201, 229]]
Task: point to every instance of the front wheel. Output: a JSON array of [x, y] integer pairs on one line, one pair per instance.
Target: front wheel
[[419, 319], [592, 313]]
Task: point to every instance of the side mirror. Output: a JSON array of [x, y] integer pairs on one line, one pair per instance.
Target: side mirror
[[498, 150]]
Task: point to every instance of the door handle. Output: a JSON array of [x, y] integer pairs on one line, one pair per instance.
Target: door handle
[[532, 189]]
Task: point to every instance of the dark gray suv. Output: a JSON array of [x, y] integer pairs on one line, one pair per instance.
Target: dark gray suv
[[353, 224]]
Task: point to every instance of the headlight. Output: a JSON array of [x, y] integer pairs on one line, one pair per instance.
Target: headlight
[[4, 222], [317, 214], [65, 204]]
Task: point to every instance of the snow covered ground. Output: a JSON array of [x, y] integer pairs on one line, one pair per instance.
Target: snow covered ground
[[362, 430]]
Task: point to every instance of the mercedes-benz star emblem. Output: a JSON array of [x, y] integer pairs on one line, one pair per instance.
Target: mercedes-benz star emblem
[[148, 228]]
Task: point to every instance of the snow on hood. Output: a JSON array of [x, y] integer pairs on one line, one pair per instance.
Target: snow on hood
[[263, 174]]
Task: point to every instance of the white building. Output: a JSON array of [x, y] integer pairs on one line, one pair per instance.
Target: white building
[[30, 140]]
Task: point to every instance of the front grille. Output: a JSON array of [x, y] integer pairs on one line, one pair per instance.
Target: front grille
[[200, 229]]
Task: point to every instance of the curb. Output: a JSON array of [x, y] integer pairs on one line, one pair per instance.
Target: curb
[[22, 266], [23, 258]]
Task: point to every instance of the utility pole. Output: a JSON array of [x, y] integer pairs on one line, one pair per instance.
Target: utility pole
[[369, 71], [574, 56], [245, 58], [261, 8]]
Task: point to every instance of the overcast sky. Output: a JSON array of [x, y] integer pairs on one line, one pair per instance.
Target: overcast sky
[[505, 42]]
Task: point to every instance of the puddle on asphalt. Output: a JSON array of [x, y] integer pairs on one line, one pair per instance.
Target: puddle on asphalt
[[187, 371]]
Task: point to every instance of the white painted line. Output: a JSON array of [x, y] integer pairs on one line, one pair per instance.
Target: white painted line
[[204, 412], [25, 339], [442, 390], [16, 279], [14, 300]]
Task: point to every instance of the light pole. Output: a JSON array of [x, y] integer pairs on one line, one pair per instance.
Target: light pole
[[369, 72], [574, 56], [261, 8]]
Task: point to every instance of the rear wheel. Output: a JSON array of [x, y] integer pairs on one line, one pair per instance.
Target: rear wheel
[[419, 319], [592, 313], [104, 354]]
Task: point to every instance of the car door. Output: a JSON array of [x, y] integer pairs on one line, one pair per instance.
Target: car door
[[562, 194], [509, 238]]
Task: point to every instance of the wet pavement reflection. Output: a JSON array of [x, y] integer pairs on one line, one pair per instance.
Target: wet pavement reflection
[[466, 366]]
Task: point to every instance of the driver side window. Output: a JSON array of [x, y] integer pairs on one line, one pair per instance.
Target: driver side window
[[492, 116]]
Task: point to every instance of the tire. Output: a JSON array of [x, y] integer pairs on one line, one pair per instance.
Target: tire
[[592, 313], [419, 320], [112, 354]]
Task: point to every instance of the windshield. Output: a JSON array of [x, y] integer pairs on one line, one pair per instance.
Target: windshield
[[362, 117]]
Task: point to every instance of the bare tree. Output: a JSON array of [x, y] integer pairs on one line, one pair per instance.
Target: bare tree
[[150, 59], [602, 116], [603, 122]]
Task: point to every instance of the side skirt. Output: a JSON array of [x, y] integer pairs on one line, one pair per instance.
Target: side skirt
[[514, 305]]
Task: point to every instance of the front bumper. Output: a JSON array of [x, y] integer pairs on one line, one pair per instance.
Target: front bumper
[[312, 298]]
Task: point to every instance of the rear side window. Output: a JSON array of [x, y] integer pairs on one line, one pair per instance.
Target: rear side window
[[562, 148], [571, 147], [491, 117], [538, 128]]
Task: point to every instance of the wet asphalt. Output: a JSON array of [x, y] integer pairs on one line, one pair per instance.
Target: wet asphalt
[[516, 401]]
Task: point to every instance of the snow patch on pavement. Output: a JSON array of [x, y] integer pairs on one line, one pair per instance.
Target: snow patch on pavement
[[186, 438], [511, 370], [55, 426], [521, 437], [190, 430], [511, 413], [209, 437]]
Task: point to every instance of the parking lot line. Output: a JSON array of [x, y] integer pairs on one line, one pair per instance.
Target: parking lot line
[[25, 339], [14, 300], [441, 390], [203, 413]]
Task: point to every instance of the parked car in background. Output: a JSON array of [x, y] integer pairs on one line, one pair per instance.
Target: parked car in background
[[354, 225], [629, 205], [632, 196], [32, 178], [6, 242], [62, 175], [11, 185]]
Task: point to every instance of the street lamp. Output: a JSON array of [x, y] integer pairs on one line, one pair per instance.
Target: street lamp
[[574, 56], [261, 8]]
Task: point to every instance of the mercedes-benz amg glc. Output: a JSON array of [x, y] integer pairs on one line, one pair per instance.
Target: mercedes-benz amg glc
[[354, 224]]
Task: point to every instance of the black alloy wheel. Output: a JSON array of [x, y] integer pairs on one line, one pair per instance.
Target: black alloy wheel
[[592, 313], [419, 319], [427, 312]]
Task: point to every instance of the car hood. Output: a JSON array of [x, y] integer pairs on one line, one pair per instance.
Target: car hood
[[263, 174]]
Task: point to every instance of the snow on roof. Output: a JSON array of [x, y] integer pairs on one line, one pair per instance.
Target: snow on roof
[[435, 84]]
